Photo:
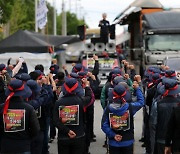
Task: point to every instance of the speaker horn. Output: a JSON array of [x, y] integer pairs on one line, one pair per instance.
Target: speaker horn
[[89, 47], [110, 47], [100, 47]]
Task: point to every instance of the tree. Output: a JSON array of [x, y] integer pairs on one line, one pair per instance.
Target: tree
[[72, 23], [22, 15], [5, 10], [50, 19]]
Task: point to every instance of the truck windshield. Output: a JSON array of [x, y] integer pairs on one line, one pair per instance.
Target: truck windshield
[[163, 42]]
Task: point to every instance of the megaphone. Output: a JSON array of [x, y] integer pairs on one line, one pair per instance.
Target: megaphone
[[100, 47], [110, 47], [89, 47]]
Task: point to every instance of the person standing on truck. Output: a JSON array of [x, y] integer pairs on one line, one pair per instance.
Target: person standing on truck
[[104, 31]]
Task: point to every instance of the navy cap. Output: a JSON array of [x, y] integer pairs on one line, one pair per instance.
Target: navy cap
[[170, 74], [54, 69], [169, 87], [24, 77], [19, 89], [156, 78], [120, 93], [16, 88], [77, 68], [2, 67], [71, 86], [116, 70], [38, 71], [33, 85], [151, 70], [118, 79], [40, 74], [82, 75], [74, 75]]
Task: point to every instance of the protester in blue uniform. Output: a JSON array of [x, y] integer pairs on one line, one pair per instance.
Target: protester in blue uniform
[[117, 120]]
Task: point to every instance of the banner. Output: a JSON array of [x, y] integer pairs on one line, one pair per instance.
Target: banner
[[14, 120], [120, 122], [103, 63], [69, 115], [41, 15]]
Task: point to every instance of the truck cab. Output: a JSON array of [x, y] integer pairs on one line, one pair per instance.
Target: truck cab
[[161, 35], [154, 34]]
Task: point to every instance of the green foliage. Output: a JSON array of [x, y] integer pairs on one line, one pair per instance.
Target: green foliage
[[50, 19], [72, 23], [59, 24], [5, 10], [22, 16]]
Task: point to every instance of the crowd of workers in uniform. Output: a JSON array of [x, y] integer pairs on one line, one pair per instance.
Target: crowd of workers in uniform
[[33, 105]]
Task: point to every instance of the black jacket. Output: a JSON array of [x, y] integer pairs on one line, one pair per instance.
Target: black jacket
[[173, 130], [104, 24], [95, 70], [164, 110], [63, 130], [45, 108], [19, 141], [151, 91], [2, 91]]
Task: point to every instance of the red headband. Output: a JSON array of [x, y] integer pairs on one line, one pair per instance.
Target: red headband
[[69, 90], [78, 70], [171, 75], [151, 72], [167, 91], [119, 96], [154, 81], [85, 76], [6, 105], [115, 75], [52, 68], [39, 77]]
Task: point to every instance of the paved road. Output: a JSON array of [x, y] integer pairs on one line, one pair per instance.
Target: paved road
[[96, 147]]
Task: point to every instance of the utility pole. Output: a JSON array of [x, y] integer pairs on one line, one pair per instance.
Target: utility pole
[[61, 56], [64, 25], [54, 16], [36, 26]]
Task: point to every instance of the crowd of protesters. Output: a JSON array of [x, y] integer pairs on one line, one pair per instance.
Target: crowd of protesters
[[34, 105]]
